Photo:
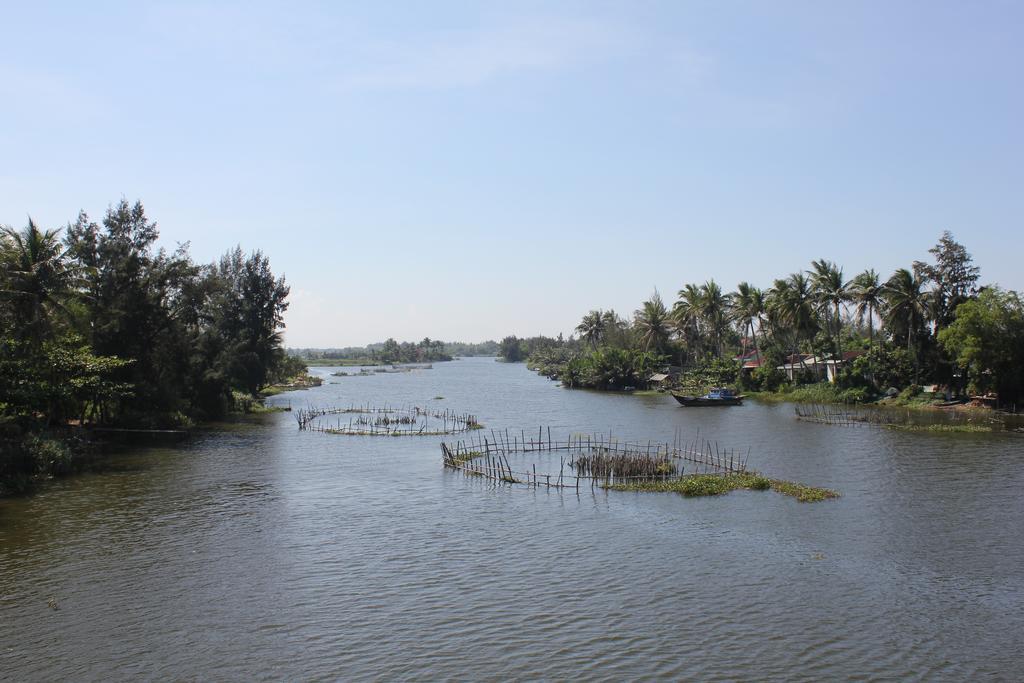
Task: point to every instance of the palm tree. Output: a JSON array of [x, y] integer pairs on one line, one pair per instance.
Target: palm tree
[[614, 330], [687, 318], [714, 310], [830, 293], [592, 327], [866, 293], [38, 276], [748, 307], [652, 324], [791, 306], [907, 306]]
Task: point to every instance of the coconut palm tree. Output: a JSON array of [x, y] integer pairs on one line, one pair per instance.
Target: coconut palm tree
[[38, 277], [830, 293], [687, 317], [866, 294], [615, 330], [790, 305], [592, 327], [907, 307], [652, 323], [714, 310], [748, 308]]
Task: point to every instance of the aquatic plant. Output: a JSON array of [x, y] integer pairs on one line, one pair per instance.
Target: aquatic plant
[[465, 456], [949, 428], [602, 462], [717, 484]]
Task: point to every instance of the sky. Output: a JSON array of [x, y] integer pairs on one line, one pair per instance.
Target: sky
[[468, 170]]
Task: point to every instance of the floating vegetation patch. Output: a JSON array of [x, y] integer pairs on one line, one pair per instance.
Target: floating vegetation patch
[[716, 484], [952, 428], [802, 492], [387, 421]]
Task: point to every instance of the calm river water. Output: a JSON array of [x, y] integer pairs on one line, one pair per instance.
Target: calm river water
[[260, 552]]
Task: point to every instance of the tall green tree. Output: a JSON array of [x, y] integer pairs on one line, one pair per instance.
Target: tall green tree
[[37, 278], [687, 319], [653, 324], [954, 276], [714, 313], [511, 349], [614, 330], [748, 309], [866, 293], [907, 306], [134, 297], [591, 328], [254, 317], [986, 340], [790, 304], [830, 294]]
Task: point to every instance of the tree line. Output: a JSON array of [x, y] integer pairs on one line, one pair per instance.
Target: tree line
[[100, 326], [929, 323], [391, 351]]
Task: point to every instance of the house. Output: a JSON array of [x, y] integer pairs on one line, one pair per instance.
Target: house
[[659, 379], [821, 366], [749, 361]]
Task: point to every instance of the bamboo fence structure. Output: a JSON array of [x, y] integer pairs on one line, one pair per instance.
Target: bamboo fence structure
[[843, 416], [595, 458], [367, 420]]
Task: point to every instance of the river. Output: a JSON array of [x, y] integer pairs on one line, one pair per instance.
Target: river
[[263, 552]]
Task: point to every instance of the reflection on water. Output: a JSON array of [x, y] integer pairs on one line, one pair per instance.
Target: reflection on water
[[270, 553]]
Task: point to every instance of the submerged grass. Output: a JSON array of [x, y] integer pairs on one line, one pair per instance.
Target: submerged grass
[[714, 485]]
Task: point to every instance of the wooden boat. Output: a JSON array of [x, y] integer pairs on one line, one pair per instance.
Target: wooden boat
[[715, 397]]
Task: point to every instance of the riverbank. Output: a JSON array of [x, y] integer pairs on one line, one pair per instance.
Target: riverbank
[[829, 394], [29, 459], [299, 383]]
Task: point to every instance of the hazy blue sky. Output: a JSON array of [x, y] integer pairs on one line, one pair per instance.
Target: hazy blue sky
[[468, 170]]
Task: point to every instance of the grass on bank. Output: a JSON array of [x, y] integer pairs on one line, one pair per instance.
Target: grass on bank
[[822, 392], [714, 485], [294, 384], [912, 398]]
